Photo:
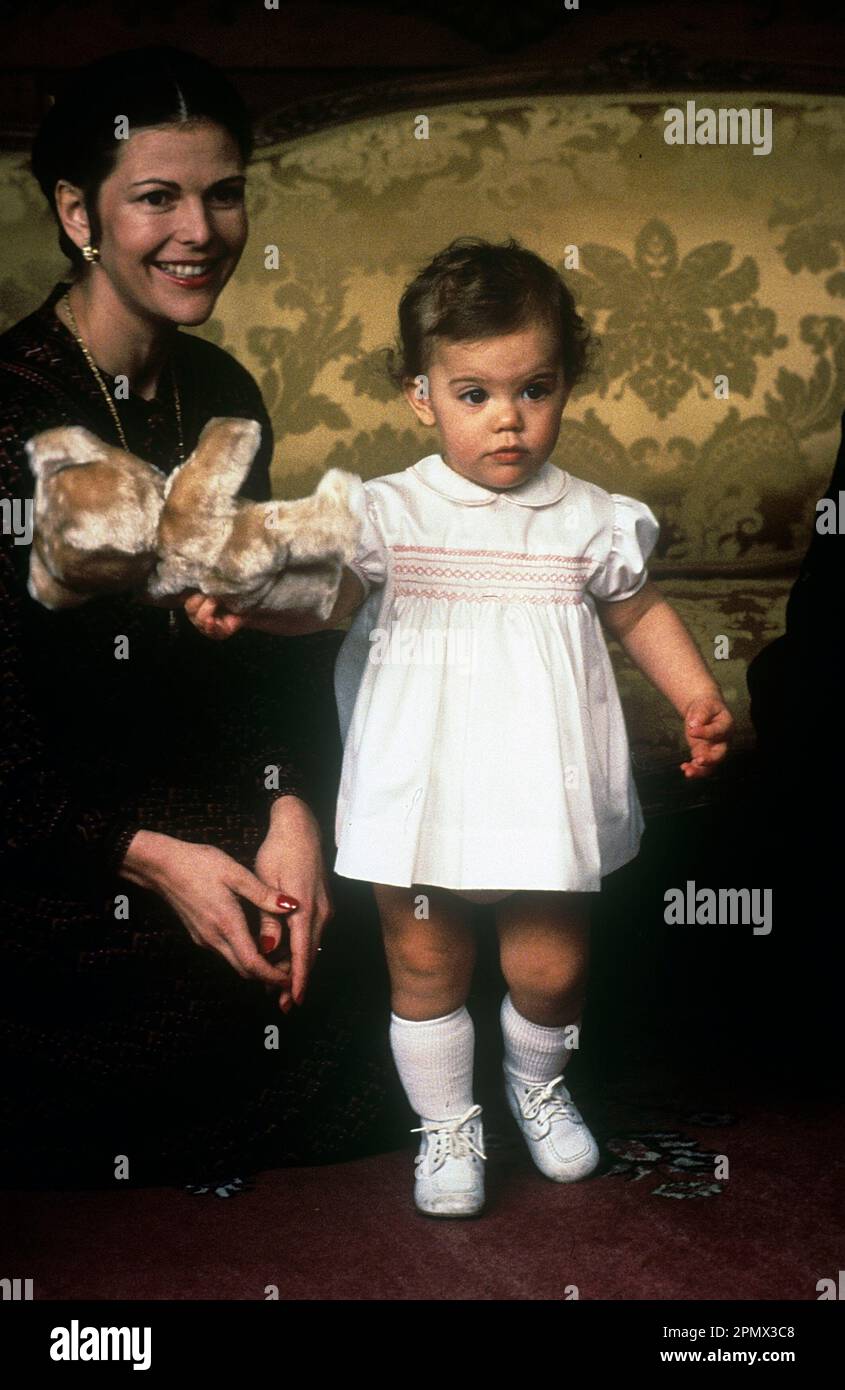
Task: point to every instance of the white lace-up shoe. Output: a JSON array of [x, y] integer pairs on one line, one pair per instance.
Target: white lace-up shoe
[[558, 1139], [449, 1172]]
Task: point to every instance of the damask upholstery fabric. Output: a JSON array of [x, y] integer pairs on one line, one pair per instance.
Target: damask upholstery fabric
[[692, 262]]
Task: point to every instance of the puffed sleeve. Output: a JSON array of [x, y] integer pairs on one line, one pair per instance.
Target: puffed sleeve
[[635, 533], [369, 562]]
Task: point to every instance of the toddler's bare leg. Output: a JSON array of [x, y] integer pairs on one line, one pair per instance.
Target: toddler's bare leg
[[544, 954], [430, 959], [543, 940]]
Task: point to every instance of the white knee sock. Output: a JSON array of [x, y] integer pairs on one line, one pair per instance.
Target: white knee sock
[[532, 1052], [434, 1060]]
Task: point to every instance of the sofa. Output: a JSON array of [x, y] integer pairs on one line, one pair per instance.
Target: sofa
[[712, 275]]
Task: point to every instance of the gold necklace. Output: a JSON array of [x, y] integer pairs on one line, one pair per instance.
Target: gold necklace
[[171, 616], [107, 394]]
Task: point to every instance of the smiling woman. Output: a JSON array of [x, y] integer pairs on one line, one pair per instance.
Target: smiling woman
[[165, 801], [186, 222], [155, 200]]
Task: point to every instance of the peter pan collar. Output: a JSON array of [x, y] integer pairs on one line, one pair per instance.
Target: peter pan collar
[[545, 487]]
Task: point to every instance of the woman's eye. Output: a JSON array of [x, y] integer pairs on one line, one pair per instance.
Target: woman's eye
[[540, 390], [228, 196], [475, 396]]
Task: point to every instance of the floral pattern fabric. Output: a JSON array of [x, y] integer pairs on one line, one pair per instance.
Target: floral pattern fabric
[[689, 262]]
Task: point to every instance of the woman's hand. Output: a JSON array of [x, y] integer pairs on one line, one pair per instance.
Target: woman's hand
[[202, 885], [291, 858], [708, 724]]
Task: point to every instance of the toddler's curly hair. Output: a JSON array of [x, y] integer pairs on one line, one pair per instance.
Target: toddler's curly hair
[[480, 289]]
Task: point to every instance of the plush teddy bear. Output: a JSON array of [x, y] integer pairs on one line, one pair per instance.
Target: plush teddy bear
[[269, 555], [106, 521], [95, 517]]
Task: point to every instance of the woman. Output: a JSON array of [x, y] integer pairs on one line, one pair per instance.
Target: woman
[[136, 791]]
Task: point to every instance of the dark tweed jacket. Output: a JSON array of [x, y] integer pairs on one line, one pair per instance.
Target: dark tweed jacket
[[119, 1032]]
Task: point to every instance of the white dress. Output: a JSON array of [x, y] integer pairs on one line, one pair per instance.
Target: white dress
[[485, 747]]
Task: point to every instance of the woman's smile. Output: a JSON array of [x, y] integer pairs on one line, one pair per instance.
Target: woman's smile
[[189, 274]]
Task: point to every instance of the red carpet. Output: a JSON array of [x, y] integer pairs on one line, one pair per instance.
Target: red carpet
[[770, 1230]]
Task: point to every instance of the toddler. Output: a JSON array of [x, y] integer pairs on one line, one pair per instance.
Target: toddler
[[485, 749]]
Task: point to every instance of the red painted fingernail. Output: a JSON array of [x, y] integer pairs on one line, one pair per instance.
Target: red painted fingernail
[[287, 904], [266, 943]]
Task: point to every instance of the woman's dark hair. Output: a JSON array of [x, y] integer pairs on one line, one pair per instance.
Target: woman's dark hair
[[150, 86], [478, 289]]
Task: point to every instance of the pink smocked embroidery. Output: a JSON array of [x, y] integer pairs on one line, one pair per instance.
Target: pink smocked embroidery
[[497, 554], [467, 595], [514, 577]]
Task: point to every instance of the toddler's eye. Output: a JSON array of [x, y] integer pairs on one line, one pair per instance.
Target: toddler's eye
[[475, 396], [539, 388]]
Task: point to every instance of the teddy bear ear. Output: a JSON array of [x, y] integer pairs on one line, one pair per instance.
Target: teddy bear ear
[[64, 447], [218, 465]]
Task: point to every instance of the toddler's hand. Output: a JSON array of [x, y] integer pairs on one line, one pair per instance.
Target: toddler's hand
[[708, 724], [212, 617]]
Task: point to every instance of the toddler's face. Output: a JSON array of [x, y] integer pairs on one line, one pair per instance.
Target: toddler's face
[[497, 404]]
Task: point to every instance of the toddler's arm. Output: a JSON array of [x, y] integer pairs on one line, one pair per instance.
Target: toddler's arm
[[213, 619], [659, 643]]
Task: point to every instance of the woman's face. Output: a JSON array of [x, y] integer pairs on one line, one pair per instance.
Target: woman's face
[[173, 220]]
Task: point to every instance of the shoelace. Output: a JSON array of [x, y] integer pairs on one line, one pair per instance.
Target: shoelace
[[447, 1139], [542, 1103]]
